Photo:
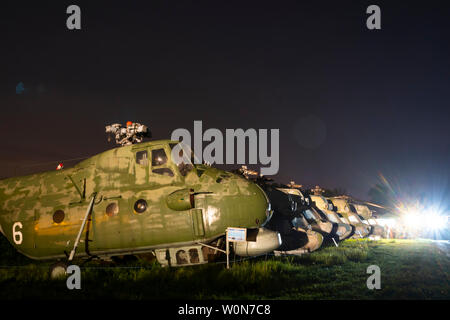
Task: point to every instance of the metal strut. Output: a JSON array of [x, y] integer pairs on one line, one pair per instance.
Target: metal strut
[[83, 224], [335, 242], [215, 248]]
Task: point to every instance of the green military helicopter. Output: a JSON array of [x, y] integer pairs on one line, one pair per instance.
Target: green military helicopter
[[132, 200]]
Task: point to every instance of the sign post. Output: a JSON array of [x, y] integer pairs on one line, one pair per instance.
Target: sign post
[[228, 251], [234, 235]]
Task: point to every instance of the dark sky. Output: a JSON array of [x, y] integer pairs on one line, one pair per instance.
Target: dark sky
[[350, 103]]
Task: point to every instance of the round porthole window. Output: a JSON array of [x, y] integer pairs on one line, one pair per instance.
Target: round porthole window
[[112, 209], [58, 216], [140, 206]]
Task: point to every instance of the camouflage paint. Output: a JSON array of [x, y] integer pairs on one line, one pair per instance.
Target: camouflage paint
[[221, 199]]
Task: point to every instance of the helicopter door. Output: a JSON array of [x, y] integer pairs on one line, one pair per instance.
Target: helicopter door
[[141, 166]]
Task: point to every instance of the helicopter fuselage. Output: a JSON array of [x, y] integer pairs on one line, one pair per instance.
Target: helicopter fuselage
[[143, 202]]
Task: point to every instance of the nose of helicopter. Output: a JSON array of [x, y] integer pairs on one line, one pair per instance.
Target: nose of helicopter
[[260, 207], [256, 214], [361, 231], [232, 201], [344, 230]]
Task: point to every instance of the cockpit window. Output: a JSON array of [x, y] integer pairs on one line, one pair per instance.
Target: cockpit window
[[321, 214], [158, 157], [330, 205], [300, 222], [163, 171], [309, 215], [352, 208], [185, 167], [188, 153], [142, 158], [333, 218]]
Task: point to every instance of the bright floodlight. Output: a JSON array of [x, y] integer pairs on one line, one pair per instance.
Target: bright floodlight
[[413, 219], [390, 222], [435, 221]]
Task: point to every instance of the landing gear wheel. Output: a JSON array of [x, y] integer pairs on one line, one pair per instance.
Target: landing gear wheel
[[58, 270]]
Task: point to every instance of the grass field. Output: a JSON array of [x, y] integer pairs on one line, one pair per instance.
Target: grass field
[[409, 270]]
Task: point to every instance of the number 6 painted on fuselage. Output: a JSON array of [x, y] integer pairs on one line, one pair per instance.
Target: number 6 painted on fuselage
[[17, 233]]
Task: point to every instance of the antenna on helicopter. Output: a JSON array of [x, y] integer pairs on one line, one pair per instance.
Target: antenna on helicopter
[[131, 134], [294, 185], [246, 172], [317, 191]]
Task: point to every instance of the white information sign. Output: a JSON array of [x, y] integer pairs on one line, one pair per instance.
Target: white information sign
[[237, 234], [234, 235]]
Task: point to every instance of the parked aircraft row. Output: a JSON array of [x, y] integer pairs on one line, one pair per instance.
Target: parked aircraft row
[[306, 221], [135, 199]]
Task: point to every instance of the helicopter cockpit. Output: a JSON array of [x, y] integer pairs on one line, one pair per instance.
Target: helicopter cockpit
[[186, 155]]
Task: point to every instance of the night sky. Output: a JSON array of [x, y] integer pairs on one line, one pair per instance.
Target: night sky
[[350, 103]]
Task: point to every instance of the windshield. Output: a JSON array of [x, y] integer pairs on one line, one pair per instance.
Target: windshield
[[320, 213], [353, 219], [309, 214], [330, 205], [363, 210], [185, 153], [183, 157], [333, 218], [299, 223]]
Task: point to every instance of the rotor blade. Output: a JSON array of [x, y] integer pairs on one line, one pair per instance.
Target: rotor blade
[[377, 205]]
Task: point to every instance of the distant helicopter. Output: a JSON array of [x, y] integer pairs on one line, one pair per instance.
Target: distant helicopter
[[347, 210], [366, 216], [350, 211], [132, 200], [302, 225], [291, 219], [326, 206]]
